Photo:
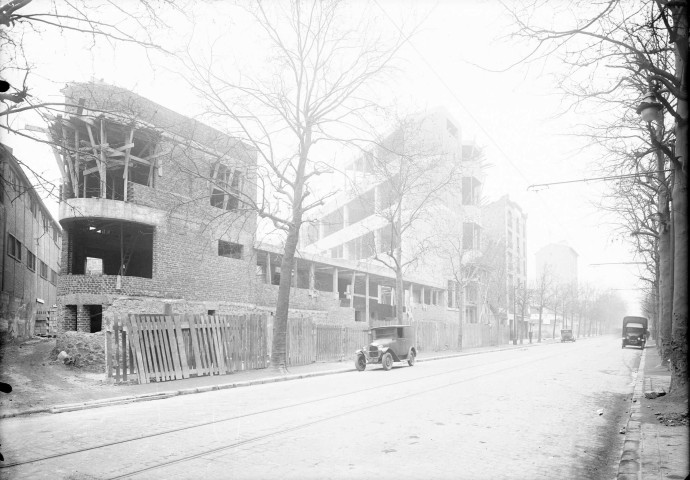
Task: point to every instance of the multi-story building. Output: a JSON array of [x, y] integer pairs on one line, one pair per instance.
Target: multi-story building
[[31, 241], [505, 227], [559, 261], [363, 222], [150, 209], [155, 219]]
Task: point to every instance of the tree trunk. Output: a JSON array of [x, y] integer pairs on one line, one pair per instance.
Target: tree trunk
[[279, 351], [553, 334], [679, 346], [461, 313], [399, 295], [665, 280], [541, 310]]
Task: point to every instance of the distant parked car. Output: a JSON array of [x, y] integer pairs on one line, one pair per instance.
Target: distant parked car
[[635, 331], [567, 336], [392, 343]]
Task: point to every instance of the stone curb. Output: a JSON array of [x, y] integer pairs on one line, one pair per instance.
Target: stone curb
[[107, 402], [630, 465]]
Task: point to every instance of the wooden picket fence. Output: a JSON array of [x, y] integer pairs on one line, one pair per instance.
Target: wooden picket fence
[[170, 347], [334, 343]]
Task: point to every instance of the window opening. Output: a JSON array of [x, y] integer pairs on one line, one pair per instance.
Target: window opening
[[14, 248], [226, 185], [30, 260], [95, 317], [94, 266], [230, 250]]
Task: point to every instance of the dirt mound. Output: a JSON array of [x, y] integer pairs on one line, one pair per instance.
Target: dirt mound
[[84, 350]]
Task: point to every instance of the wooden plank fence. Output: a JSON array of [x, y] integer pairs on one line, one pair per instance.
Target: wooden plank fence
[[169, 347]]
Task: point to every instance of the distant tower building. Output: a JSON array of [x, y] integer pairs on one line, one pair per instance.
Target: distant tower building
[[560, 260]]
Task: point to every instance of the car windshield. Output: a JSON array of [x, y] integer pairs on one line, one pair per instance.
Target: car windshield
[[635, 330], [384, 333]]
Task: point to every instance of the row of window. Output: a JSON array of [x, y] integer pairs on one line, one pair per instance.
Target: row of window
[[14, 250], [15, 183]]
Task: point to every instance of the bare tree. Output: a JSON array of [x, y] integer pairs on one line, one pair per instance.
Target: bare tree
[[314, 92], [468, 267], [646, 43], [542, 294], [107, 21]]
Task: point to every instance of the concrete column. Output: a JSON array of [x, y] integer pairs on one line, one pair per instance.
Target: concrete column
[[69, 318], [366, 298], [311, 277], [335, 282], [268, 268], [352, 290], [83, 319]]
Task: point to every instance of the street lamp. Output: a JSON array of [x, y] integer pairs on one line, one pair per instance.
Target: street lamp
[[649, 108]]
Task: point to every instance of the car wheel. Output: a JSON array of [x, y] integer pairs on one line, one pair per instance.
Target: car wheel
[[411, 358], [360, 363], [387, 361]]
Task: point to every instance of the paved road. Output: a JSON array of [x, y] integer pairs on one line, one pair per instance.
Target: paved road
[[530, 413]]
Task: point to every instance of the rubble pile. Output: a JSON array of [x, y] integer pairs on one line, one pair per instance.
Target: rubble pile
[[81, 350], [672, 419]]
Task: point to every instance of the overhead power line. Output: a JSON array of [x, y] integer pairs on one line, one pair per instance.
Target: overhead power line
[[594, 179]]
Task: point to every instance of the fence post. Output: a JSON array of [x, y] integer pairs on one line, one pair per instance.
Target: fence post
[[109, 351], [314, 337], [342, 343]]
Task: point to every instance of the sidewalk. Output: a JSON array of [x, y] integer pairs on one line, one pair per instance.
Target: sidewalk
[[656, 445], [121, 394]]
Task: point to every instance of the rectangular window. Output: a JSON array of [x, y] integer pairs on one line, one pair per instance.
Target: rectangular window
[[230, 250], [471, 236], [361, 207], [44, 269], [14, 248], [32, 205], [30, 260], [361, 247], [94, 266], [226, 185], [53, 277], [332, 222], [337, 252]]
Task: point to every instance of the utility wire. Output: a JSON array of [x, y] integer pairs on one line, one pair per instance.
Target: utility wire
[[595, 179]]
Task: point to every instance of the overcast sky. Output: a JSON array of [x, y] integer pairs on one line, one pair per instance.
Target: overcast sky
[[516, 116]]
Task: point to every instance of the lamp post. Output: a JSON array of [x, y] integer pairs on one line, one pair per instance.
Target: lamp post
[[651, 112]]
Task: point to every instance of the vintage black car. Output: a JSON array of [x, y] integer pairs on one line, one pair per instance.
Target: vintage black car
[[635, 331], [392, 343], [567, 336]]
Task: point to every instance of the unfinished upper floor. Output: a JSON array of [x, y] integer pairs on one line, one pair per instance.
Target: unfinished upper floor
[[114, 145]]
